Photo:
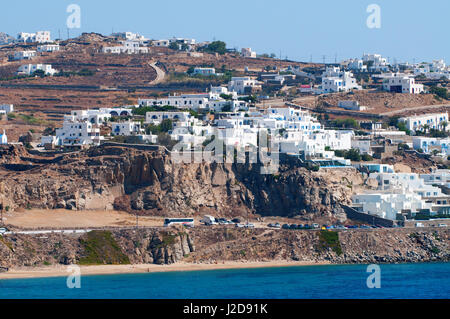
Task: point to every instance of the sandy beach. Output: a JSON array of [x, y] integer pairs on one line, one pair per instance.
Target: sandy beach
[[61, 271]]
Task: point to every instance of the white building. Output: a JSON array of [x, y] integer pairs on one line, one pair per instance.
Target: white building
[[430, 144], [434, 70], [39, 37], [376, 63], [438, 177], [205, 71], [356, 65], [400, 191], [387, 204], [158, 117], [243, 85], [433, 121], [401, 83], [161, 43], [201, 101], [78, 134], [351, 105], [8, 108], [3, 138], [127, 129], [335, 80], [248, 53], [189, 43], [48, 48], [24, 55], [128, 47], [29, 69], [129, 36]]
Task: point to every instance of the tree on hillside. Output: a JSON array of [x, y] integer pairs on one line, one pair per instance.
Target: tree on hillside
[[216, 47], [174, 46]]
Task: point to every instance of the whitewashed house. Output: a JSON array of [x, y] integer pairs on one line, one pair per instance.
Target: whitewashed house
[[357, 65], [376, 63], [127, 129], [29, 69], [127, 47], [244, 85], [48, 48], [78, 134], [434, 70], [205, 71], [436, 121], [401, 83], [24, 55], [248, 53], [439, 177], [335, 80], [39, 37], [388, 204], [129, 36], [158, 117], [430, 144]]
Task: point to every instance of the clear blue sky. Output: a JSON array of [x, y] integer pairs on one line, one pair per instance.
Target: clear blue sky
[[410, 29]]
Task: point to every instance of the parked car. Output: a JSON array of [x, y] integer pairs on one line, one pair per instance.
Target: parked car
[[364, 227], [293, 226], [286, 226], [442, 225], [300, 226], [238, 225], [249, 225], [315, 226], [306, 226], [236, 220], [208, 220], [3, 230], [277, 225]]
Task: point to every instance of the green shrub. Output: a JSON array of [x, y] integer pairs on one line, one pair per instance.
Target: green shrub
[[100, 248], [330, 240]]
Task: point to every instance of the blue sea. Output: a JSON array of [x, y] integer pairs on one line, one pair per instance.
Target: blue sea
[[427, 280]]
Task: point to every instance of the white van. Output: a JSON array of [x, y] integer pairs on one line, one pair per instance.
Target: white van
[[208, 220], [419, 225]]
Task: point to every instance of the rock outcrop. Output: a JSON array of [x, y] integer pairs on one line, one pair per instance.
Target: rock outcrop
[[208, 245], [150, 182]]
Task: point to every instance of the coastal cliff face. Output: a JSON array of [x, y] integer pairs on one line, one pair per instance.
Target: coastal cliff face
[[208, 245], [97, 247], [129, 179]]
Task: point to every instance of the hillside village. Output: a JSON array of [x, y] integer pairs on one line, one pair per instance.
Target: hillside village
[[326, 117]]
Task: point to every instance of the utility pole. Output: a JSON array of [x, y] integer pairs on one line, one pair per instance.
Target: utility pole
[[137, 220], [323, 57]]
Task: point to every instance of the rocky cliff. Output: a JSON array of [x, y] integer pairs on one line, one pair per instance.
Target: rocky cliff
[[148, 181], [219, 244], [97, 247]]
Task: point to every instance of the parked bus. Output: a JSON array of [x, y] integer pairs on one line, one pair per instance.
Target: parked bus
[[188, 222]]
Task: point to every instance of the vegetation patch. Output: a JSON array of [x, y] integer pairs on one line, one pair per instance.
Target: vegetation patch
[[329, 239], [6, 243], [167, 240], [100, 248]]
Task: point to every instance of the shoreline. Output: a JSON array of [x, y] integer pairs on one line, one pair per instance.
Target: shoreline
[[62, 271]]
